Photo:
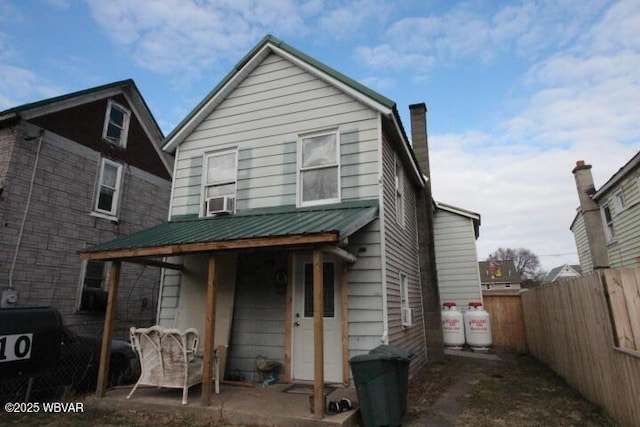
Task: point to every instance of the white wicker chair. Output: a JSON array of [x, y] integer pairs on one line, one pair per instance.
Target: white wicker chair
[[167, 358]]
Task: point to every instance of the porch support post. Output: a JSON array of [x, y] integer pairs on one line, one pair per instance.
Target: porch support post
[[318, 335], [344, 296], [110, 315], [288, 333], [209, 332]]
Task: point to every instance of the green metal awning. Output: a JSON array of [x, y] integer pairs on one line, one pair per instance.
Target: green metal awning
[[252, 228]]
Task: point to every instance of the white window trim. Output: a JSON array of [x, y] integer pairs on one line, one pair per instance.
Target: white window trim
[[399, 190], [125, 126], [113, 213], [609, 231], [205, 169], [619, 201], [299, 170]]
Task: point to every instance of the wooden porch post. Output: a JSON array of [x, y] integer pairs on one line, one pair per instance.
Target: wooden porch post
[[209, 332], [344, 294], [110, 314], [318, 335]]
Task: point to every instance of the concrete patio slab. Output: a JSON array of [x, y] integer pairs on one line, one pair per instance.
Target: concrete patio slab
[[254, 406]]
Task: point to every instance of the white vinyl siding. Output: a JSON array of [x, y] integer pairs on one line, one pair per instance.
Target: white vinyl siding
[[401, 253], [263, 117], [456, 258], [624, 250], [365, 290], [582, 244]]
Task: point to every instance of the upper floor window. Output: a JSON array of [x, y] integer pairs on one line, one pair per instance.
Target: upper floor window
[[399, 184], [220, 177], [618, 201], [116, 124], [109, 182], [607, 220], [319, 169]]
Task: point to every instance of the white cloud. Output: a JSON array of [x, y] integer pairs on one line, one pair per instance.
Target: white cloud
[[20, 86], [524, 200], [582, 102], [176, 35]]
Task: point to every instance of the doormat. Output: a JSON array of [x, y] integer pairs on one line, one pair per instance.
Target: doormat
[[306, 389]]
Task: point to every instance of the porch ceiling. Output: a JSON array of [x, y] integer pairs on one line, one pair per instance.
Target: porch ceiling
[[253, 228]]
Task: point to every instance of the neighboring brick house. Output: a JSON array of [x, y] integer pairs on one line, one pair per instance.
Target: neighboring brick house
[[606, 227], [498, 275], [76, 170]]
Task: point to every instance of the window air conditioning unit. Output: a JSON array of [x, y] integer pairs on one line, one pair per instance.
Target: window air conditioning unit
[[407, 314], [220, 205]]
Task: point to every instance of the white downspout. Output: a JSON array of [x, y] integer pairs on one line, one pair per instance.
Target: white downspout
[[26, 209]]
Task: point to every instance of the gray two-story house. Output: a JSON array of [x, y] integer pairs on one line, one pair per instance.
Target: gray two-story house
[[294, 227], [76, 170], [606, 227]]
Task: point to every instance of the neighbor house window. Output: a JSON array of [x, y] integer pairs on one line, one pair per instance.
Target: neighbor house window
[[116, 124], [399, 184], [618, 201], [93, 295], [608, 223], [319, 169], [108, 188], [220, 178]]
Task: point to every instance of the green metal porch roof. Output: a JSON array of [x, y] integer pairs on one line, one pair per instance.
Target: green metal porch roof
[[189, 233]]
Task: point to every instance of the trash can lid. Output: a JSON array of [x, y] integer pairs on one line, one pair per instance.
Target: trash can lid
[[390, 352]]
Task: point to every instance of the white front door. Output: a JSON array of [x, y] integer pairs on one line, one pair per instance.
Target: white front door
[[302, 357]]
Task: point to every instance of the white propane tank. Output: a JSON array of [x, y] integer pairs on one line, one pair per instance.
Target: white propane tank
[[452, 326], [477, 327]]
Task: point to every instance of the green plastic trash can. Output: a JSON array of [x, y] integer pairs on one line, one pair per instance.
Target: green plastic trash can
[[381, 378], [402, 360]]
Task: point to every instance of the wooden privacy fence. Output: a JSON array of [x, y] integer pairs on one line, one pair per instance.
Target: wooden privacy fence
[[569, 328], [507, 322]]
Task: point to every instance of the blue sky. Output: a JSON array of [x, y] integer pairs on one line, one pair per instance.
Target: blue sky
[[516, 91]]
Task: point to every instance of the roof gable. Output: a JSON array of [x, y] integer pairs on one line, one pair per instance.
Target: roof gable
[[246, 65], [60, 115], [271, 45]]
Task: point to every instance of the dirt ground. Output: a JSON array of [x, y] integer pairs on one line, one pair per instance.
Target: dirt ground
[[515, 391]]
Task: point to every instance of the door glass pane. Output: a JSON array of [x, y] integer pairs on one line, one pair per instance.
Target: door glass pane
[[319, 150], [328, 290]]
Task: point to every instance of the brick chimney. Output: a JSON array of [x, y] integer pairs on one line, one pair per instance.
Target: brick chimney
[[591, 215], [426, 247]]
